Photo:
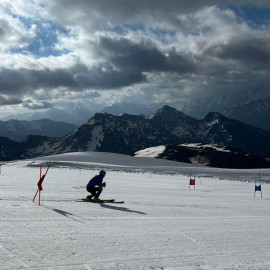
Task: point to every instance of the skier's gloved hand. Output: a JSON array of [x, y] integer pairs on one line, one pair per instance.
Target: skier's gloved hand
[[104, 184]]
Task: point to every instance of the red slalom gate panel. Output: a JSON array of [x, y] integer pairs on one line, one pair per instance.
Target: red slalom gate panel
[[192, 182]]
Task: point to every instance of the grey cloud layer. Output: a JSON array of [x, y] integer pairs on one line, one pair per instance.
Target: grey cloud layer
[[251, 50], [25, 80], [32, 105], [125, 64], [143, 57], [202, 52], [4, 100], [104, 13]]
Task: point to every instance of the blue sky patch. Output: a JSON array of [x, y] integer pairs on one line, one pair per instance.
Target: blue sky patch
[[43, 44], [254, 15]]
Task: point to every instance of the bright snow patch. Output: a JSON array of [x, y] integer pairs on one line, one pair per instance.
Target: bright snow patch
[[200, 146], [151, 152]]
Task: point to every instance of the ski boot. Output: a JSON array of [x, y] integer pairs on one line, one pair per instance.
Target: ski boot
[[88, 198], [96, 199]]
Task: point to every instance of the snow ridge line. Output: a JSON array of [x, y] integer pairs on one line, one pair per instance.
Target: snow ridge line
[[198, 243], [13, 256]]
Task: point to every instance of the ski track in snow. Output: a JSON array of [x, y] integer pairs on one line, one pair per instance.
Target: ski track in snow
[[162, 224]]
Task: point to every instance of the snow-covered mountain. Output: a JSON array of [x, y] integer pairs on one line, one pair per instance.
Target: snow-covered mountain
[[212, 155], [184, 127], [108, 133], [127, 134], [17, 130], [256, 113], [225, 131]]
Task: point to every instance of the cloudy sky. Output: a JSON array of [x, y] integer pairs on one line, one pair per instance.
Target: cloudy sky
[[79, 56]]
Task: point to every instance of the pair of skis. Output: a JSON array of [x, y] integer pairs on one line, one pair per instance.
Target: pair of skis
[[103, 201]]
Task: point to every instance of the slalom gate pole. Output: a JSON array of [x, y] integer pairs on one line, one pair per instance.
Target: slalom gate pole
[[35, 195], [255, 187], [39, 184], [40, 170], [258, 187], [260, 184], [46, 171]]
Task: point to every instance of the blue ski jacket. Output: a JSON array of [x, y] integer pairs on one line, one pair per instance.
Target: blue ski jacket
[[95, 181]]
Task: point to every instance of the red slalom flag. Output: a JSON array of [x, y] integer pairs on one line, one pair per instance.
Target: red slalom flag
[[192, 181]]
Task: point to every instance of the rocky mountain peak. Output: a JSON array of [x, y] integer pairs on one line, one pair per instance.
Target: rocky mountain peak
[[165, 111], [214, 118]]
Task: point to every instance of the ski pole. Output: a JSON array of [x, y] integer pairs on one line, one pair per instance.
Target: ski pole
[[35, 195]]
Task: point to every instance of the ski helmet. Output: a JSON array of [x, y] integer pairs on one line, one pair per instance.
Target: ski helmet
[[102, 173]]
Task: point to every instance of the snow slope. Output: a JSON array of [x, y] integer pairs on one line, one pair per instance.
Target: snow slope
[[161, 225], [112, 161]]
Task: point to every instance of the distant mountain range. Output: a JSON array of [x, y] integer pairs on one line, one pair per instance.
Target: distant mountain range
[[17, 130], [80, 114], [255, 113], [212, 155], [127, 134]]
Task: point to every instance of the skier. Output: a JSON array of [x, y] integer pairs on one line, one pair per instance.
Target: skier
[[95, 186]]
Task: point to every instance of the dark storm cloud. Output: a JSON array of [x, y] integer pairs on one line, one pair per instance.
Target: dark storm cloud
[[104, 76], [14, 81], [79, 77], [144, 57], [252, 50], [4, 100]]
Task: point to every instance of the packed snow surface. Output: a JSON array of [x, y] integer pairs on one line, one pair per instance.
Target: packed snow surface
[[162, 224]]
